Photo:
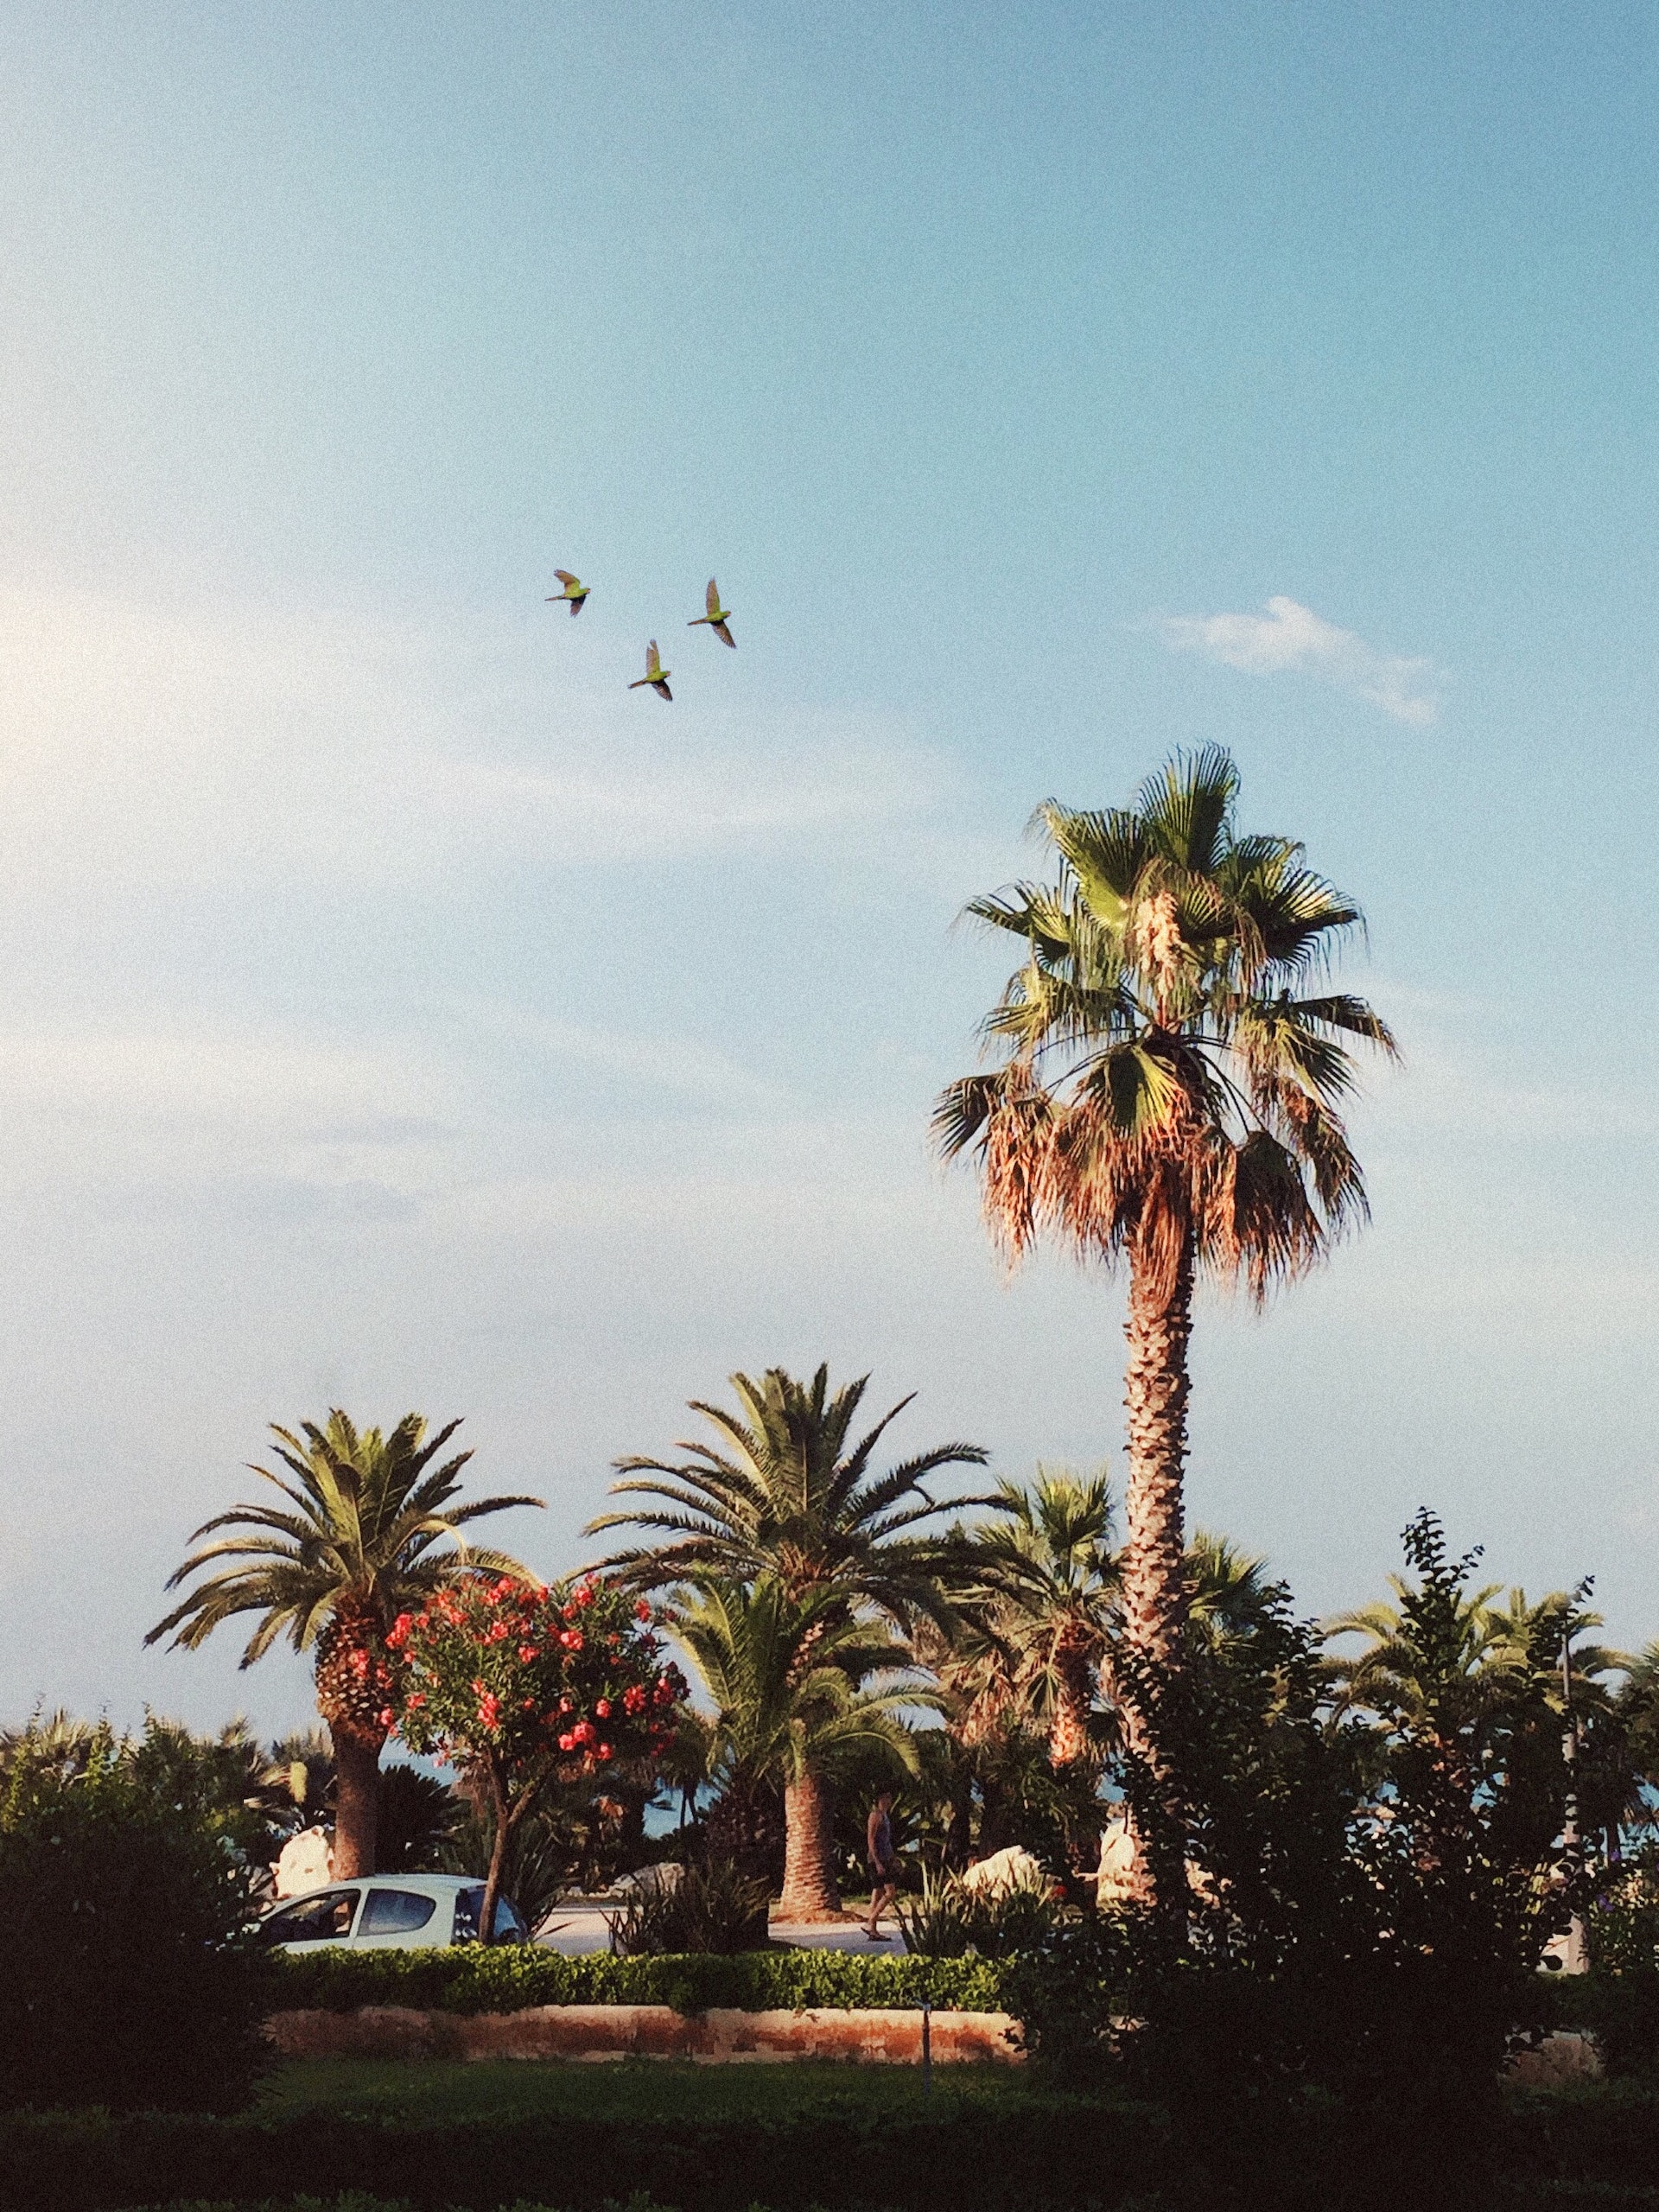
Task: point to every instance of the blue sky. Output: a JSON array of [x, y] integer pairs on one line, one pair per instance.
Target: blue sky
[[397, 1011]]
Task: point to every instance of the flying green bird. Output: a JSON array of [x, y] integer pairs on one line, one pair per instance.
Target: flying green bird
[[655, 675], [716, 617], [574, 590]]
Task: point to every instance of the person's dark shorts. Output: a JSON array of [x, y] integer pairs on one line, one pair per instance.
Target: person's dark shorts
[[880, 1876]]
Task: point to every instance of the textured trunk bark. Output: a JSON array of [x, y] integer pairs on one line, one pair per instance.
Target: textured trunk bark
[[1157, 1329], [1068, 1731], [810, 1892], [357, 1794]]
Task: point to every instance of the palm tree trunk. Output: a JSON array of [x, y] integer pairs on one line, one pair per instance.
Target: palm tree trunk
[[1068, 1727], [1158, 1327], [357, 1801], [810, 1892]]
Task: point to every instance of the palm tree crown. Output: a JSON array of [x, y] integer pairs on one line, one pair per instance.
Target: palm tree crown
[[1167, 1076], [786, 1492], [366, 1517]]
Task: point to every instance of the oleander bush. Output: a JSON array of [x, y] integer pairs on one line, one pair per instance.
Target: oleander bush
[[476, 1978]]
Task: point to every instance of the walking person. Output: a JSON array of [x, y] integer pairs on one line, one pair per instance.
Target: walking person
[[878, 1847]]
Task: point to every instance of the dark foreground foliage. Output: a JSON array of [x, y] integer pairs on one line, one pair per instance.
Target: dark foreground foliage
[[126, 1982], [1358, 1910], [1053, 2154]]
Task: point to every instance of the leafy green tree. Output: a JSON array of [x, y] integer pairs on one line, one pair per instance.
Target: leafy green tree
[[1464, 1703], [785, 1674], [127, 1982], [1168, 1097], [790, 1493], [368, 1530]]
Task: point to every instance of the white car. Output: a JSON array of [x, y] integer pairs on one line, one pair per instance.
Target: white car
[[390, 1912]]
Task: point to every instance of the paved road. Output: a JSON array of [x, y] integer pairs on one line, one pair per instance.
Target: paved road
[[579, 1926]]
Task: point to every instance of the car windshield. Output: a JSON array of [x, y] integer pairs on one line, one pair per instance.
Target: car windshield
[[324, 1918]]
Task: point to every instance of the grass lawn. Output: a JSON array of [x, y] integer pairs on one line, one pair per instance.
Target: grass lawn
[[628, 2088]]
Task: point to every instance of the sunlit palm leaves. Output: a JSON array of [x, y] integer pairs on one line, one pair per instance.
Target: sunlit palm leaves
[[789, 1491], [365, 1519], [1171, 1072]]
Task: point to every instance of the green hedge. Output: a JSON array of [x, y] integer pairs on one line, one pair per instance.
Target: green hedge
[[1040, 2153], [960, 2158], [471, 1978]]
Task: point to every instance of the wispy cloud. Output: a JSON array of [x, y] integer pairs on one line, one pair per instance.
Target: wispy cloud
[[1288, 635], [141, 745]]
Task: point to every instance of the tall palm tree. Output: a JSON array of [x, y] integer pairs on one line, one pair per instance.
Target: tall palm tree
[[787, 1492], [785, 1674], [1167, 1099], [368, 1531]]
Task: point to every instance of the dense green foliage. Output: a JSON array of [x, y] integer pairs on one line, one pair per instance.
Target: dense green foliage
[[475, 1978], [126, 1982], [610, 2135]]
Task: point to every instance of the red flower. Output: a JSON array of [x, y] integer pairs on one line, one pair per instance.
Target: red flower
[[604, 1751], [634, 1698], [603, 1708], [567, 1742], [641, 1610]]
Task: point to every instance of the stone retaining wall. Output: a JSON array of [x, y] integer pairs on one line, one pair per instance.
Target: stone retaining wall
[[601, 2031]]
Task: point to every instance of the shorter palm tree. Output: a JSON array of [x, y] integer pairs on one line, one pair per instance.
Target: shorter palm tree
[[369, 1529], [786, 1677], [1041, 1582]]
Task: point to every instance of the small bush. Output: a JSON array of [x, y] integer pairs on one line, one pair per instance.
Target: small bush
[[949, 1921], [471, 1978], [128, 1981], [692, 1908]]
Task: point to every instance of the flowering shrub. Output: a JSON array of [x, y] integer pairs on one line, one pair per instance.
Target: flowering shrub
[[513, 1683]]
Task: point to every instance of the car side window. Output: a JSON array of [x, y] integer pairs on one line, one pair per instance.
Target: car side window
[[395, 1912], [325, 1918], [509, 1928]]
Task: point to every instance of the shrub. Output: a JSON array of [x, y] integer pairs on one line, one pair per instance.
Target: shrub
[[949, 1921], [472, 1978], [127, 1981], [957, 2156], [691, 1909]]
